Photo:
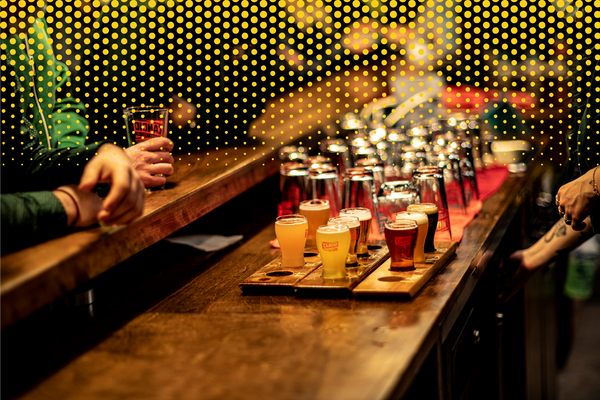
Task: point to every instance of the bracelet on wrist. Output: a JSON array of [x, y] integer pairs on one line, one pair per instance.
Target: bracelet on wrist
[[74, 203], [594, 186]]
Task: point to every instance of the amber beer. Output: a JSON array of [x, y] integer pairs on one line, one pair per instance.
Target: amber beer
[[353, 225], [291, 231], [422, 221], [317, 214], [364, 217], [333, 242], [401, 237], [432, 214]]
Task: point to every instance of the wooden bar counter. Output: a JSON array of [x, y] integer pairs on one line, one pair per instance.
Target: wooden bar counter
[[172, 323]]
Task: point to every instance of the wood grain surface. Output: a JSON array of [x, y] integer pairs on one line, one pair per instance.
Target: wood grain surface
[[314, 284], [405, 284], [36, 276], [193, 333]]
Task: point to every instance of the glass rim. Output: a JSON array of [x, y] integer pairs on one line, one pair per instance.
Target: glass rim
[[363, 209], [290, 216], [316, 201], [145, 108], [347, 228], [411, 212], [410, 222], [422, 204]]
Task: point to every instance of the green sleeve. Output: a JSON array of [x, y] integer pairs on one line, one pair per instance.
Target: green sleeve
[[29, 218], [68, 114]]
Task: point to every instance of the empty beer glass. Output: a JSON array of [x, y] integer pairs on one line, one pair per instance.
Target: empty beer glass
[[291, 231]]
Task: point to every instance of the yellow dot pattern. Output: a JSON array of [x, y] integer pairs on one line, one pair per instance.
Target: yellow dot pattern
[[269, 73]]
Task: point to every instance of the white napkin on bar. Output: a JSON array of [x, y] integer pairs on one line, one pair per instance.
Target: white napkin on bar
[[206, 243]]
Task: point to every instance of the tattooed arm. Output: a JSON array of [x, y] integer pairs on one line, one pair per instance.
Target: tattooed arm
[[559, 240]]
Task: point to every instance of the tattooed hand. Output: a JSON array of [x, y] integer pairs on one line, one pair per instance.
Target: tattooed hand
[[523, 264], [576, 199]]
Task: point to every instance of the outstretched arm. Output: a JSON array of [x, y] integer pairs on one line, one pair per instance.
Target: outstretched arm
[[559, 240]]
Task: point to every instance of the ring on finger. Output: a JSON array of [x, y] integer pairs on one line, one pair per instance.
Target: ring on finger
[[560, 211], [557, 201]]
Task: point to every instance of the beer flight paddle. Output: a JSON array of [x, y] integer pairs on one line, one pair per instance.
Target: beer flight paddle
[[383, 282]]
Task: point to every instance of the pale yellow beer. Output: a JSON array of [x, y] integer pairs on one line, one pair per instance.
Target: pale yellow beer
[[317, 214], [422, 221], [432, 214], [364, 217], [353, 225], [291, 231], [333, 242]]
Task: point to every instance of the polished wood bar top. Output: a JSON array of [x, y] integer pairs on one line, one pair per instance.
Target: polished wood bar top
[[36, 276], [205, 339]]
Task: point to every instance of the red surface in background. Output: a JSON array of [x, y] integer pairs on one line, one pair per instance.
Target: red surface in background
[[474, 99], [488, 182]]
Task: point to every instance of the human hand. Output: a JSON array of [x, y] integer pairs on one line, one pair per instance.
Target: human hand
[[151, 158], [82, 207], [576, 199], [517, 270], [125, 200]]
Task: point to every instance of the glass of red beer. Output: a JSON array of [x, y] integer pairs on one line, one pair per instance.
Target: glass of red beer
[[401, 237]]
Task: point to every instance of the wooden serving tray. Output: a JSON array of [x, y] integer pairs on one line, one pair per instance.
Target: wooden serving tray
[[405, 284], [314, 285], [274, 279]]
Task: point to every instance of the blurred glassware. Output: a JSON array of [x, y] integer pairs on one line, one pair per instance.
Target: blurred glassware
[[324, 183], [429, 181], [361, 148], [412, 158], [337, 151], [293, 186], [316, 162], [292, 154], [358, 190], [395, 197], [376, 165], [352, 124]]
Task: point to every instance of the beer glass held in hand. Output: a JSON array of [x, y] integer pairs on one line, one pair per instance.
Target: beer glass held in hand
[[364, 216], [401, 237], [353, 225], [432, 215], [317, 213], [333, 242], [422, 222], [145, 123], [291, 231]]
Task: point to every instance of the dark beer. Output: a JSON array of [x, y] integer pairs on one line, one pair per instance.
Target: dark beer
[[432, 215]]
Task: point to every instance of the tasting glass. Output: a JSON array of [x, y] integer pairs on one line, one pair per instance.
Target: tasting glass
[[353, 225], [364, 217], [316, 212], [145, 123], [333, 242], [401, 237], [291, 231], [430, 184]]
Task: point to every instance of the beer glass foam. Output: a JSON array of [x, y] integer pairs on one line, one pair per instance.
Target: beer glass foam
[[317, 213], [401, 237], [422, 221], [432, 214], [333, 242], [353, 225], [364, 217]]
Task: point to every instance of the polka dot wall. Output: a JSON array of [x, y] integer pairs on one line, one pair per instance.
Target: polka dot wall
[[259, 75]]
